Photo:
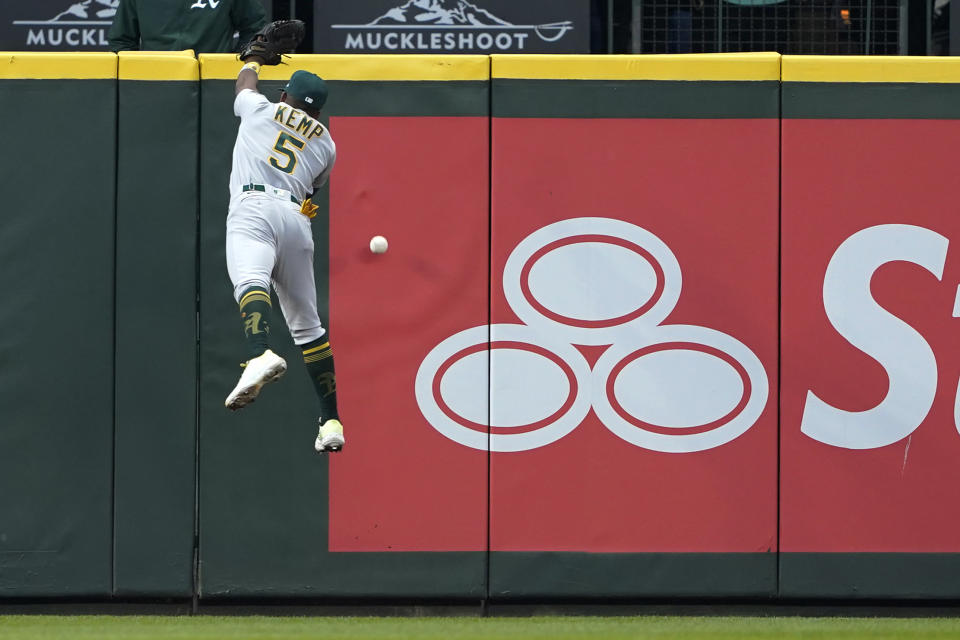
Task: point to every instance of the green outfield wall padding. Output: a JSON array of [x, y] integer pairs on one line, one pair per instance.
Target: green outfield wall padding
[[156, 366], [914, 576], [589, 576], [124, 477], [263, 491], [592, 515], [864, 143], [863, 100], [634, 99], [56, 349]]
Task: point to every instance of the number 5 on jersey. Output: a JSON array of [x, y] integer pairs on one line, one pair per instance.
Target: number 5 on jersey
[[281, 146]]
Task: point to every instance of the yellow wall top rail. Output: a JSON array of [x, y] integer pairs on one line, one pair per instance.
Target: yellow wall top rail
[[870, 69], [159, 66], [357, 67], [44, 65], [706, 66], [181, 65]]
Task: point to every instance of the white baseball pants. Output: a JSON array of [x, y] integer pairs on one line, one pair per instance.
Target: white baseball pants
[[269, 242]]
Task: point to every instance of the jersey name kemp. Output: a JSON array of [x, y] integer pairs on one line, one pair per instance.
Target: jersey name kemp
[[288, 117]]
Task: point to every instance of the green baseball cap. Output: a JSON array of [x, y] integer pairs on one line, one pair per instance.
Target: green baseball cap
[[308, 87]]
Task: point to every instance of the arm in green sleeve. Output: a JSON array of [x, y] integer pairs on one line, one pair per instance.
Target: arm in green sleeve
[[124, 33], [248, 17]]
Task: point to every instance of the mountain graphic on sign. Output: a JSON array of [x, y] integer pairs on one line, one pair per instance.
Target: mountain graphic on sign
[[82, 10], [439, 12]]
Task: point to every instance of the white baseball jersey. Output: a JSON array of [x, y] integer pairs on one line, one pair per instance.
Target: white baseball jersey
[[279, 146]]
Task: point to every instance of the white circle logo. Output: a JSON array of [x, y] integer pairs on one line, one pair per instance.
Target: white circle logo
[[545, 394], [569, 278], [699, 389], [591, 281]]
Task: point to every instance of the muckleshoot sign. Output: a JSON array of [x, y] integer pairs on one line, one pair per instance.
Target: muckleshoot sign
[[62, 25], [452, 26]]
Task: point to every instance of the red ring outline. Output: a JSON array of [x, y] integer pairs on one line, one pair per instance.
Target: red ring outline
[[504, 344], [591, 324], [686, 346]]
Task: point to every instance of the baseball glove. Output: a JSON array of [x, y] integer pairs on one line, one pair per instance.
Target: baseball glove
[[274, 40]]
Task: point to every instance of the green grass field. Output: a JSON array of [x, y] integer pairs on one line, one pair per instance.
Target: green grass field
[[543, 628]]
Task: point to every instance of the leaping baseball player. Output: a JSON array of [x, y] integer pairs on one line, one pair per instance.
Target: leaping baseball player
[[282, 154]]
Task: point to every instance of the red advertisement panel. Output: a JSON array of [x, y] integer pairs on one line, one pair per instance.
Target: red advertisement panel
[[869, 442], [399, 485], [634, 335]]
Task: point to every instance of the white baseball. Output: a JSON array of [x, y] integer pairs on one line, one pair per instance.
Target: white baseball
[[378, 244]]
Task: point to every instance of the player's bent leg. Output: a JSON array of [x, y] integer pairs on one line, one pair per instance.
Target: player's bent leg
[[263, 365], [251, 251], [296, 290], [318, 358]]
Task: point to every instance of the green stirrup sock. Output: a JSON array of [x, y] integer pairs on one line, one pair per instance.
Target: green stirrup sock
[[255, 308], [318, 357]]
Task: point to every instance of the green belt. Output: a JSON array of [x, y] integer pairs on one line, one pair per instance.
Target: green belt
[[260, 187]]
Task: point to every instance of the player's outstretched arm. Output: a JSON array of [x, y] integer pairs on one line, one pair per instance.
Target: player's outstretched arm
[[268, 46], [249, 75]]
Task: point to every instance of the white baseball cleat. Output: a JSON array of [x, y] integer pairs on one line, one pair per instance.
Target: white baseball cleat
[[330, 437], [264, 369]]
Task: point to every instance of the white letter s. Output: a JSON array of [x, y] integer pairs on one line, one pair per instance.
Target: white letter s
[[905, 355]]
